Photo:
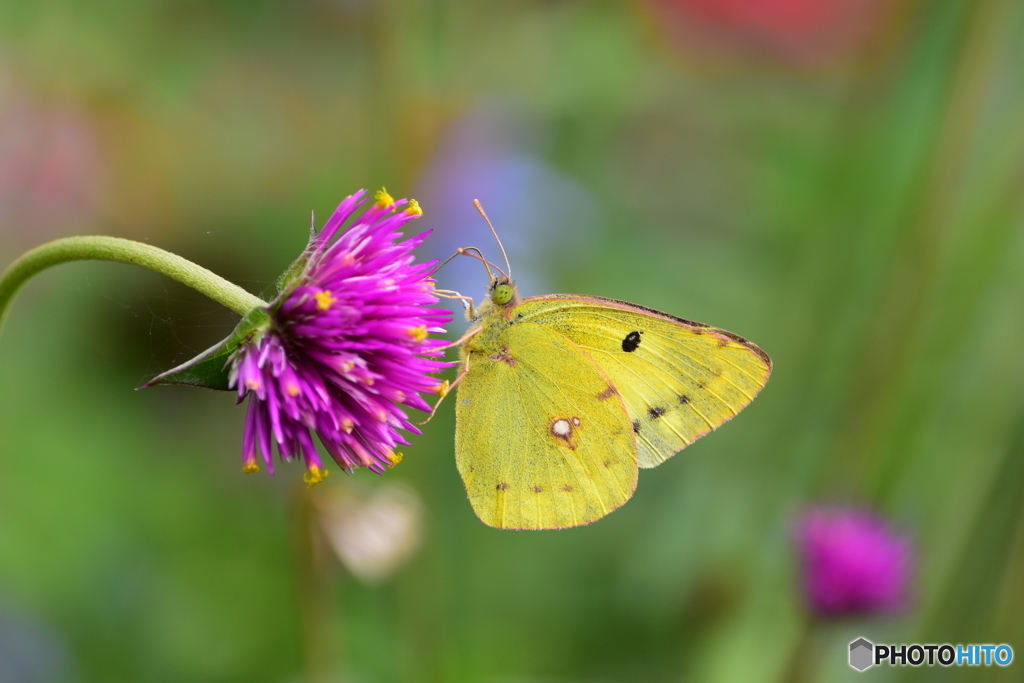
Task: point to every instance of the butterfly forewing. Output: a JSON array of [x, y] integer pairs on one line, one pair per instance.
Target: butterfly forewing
[[543, 441], [678, 379]]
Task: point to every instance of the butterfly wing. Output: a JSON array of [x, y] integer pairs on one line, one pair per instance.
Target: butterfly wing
[[541, 441], [679, 379]]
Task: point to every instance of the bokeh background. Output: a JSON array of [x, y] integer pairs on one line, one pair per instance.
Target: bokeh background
[[838, 180]]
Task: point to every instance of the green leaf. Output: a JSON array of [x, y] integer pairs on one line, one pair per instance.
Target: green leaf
[[210, 368]]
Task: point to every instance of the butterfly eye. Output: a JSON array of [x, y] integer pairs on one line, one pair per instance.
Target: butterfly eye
[[502, 295]]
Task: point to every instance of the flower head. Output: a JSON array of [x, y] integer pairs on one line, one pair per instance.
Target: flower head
[[852, 563], [347, 344]]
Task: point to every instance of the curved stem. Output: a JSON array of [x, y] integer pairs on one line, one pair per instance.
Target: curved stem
[[122, 251]]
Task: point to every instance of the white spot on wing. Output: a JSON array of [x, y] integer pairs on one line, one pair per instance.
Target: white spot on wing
[[561, 428]]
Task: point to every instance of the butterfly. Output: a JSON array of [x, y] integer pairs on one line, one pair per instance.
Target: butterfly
[[561, 398]]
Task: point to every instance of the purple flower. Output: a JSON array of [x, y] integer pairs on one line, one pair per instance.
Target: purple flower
[[347, 344], [852, 562]]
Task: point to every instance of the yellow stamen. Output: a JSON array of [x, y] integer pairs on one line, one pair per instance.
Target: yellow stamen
[[314, 475], [383, 199], [395, 458], [418, 333], [324, 300], [250, 467], [368, 381], [347, 366], [293, 390], [414, 208], [399, 396], [253, 384], [443, 388], [347, 425]]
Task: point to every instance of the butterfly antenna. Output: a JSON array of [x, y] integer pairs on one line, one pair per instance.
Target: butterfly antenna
[[480, 208], [472, 252], [479, 256], [444, 263]]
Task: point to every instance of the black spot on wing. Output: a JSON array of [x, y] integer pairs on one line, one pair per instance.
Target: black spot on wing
[[698, 328], [654, 412], [631, 341], [636, 426], [683, 399]]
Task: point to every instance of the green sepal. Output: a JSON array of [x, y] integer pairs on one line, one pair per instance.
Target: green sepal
[[299, 266], [210, 368]]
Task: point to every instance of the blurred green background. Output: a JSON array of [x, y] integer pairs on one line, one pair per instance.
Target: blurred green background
[[839, 181]]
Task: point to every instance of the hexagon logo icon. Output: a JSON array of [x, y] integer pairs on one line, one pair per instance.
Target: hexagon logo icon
[[861, 651]]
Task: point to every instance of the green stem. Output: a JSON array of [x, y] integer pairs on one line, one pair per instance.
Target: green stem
[[319, 619], [803, 659], [99, 248]]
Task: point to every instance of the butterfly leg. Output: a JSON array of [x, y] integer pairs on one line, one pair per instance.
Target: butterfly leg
[[447, 389], [461, 340], [467, 301]]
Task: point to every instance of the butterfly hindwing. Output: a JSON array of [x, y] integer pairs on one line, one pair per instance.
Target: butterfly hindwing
[[678, 379], [543, 441]]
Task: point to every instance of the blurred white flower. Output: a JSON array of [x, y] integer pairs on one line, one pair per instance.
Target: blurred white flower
[[373, 533]]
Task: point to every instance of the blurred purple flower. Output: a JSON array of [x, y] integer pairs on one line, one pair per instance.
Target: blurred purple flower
[[346, 346], [852, 562]]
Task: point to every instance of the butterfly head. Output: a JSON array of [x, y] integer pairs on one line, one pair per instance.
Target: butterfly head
[[503, 292]]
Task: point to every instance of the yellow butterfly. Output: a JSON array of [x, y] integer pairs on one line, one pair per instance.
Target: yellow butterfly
[[562, 397]]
